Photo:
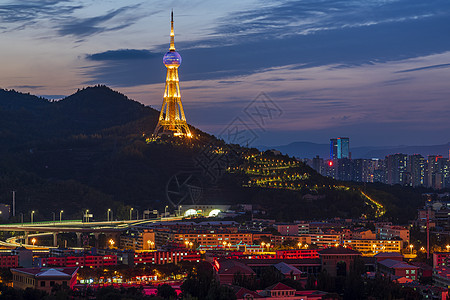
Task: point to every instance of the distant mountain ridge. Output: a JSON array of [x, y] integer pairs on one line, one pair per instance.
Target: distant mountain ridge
[[311, 150]]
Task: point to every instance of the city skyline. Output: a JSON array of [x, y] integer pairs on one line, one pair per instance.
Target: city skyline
[[373, 70]]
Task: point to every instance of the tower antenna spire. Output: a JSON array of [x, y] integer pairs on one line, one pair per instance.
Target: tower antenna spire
[[172, 34]]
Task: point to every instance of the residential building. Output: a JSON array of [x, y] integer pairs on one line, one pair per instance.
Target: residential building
[[280, 291], [213, 237], [9, 260], [324, 240], [372, 247], [287, 229], [44, 279], [396, 168], [337, 261], [165, 257], [288, 271], [441, 259], [398, 268], [389, 232], [82, 261], [441, 276]]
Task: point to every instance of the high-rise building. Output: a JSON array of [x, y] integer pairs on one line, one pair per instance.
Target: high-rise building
[[434, 171], [363, 169], [343, 147], [345, 169], [317, 164], [171, 119], [340, 148], [396, 168], [333, 149], [416, 169]]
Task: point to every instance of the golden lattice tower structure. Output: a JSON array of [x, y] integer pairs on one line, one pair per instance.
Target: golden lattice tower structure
[[172, 120]]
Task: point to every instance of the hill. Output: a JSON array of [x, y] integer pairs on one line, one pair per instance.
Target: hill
[[90, 151]]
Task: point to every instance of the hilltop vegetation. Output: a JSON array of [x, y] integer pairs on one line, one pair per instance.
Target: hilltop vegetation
[[90, 151]]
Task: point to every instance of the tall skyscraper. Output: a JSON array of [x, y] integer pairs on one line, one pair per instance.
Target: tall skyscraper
[[343, 147], [333, 149], [436, 170], [416, 169], [396, 168], [171, 119]]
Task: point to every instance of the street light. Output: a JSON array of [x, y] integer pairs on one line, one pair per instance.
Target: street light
[[54, 217], [86, 215], [411, 247], [60, 216], [111, 242], [165, 211], [299, 245], [150, 244], [32, 214], [179, 210], [448, 247], [131, 210], [33, 240], [186, 243], [107, 214]]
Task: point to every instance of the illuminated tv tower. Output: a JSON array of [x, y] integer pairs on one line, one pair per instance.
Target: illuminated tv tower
[[171, 119]]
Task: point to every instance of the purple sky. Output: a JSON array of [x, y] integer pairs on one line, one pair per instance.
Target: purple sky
[[377, 71]]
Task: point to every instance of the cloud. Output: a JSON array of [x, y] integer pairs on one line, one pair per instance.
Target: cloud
[[27, 86], [440, 66], [82, 27], [248, 42], [122, 54], [28, 13]]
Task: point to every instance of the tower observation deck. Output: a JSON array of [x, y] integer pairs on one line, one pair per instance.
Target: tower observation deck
[[172, 120]]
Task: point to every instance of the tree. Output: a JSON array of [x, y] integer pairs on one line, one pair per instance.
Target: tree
[[220, 292], [166, 291], [198, 281]]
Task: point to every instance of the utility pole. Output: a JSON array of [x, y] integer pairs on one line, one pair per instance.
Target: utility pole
[[14, 203]]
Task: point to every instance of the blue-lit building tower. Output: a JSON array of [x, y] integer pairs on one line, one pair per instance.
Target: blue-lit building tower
[[343, 147]]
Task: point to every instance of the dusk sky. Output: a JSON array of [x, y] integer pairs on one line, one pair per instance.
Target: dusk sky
[[377, 71]]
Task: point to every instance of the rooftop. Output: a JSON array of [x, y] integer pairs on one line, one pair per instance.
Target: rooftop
[[395, 264], [284, 268], [48, 272], [338, 251], [279, 287]]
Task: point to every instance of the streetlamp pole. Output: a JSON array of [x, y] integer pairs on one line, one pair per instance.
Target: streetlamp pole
[[107, 214], [54, 217], [32, 213], [165, 211], [131, 211], [137, 214], [60, 216], [87, 217]]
